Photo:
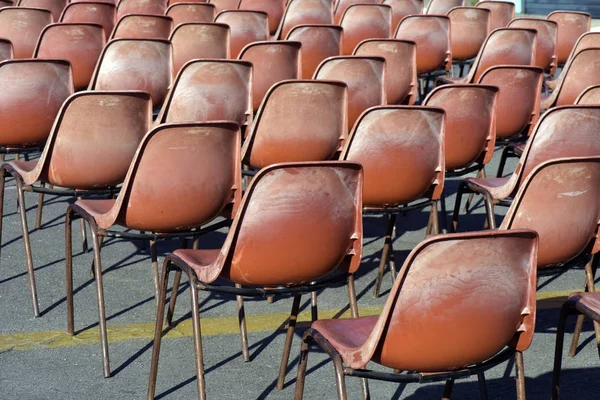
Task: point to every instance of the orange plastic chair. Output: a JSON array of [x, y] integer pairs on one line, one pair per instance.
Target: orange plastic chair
[[283, 241], [191, 13], [400, 56], [135, 64], [222, 5], [88, 151], [318, 43], [502, 12], [192, 41], [91, 13], [441, 7], [210, 90], [413, 332], [304, 12], [272, 62], [402, 152], [314, 114], [571, 25], [6, 50], [148, 7], [365, 77], [22, 26], [54, 6], [402, 8], [80, 44], [545, 43], [469, 27], [586, 41], [245, 27], [340, 7], [173, 167], [590, 95], [274, 8], [142, 26], [365, 21]]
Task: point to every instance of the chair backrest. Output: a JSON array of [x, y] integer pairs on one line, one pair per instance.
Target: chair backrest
[[571, 25], [182, 176], [365, 21], [401, 149], [32, 93], [318, 43], [300, 120], [149, 7], [245, 27], [402, 8], [502, 12], [304, 12], [192, 41], [91, 13], [272, 62], [431, 33], [95, 138], [581, 72], [222, 5], [590, 95], [298, 222], [441, 7], [340, 7], [54, 6], [400, 67], [504, 46], [469, 27], [210, 90], [559, 200], [22, 26], [80, 44], [142, 26], [545, 43], [274, 8], [586, 41], [191, 13], [365, 77], [6, 49], [519, 94], [135, 64]]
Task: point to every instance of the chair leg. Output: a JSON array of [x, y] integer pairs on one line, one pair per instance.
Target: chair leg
[[2, 182], [69, 271], [160, 313], [391, 257], [448, 389], [558, 350], [242, 324], [444, 220], [482, 386], [40, 206], [435, 228], [197, 341], [155, 273], [100, 299], [288, 341], [314, 307], [590, 273], [384, 255], [340, 379], [173, 299], [455, 214], [84, 243], [502, 163], [302, 363], [520, 370], [364, 383], [27, 244], [480, 174], [489, 210]]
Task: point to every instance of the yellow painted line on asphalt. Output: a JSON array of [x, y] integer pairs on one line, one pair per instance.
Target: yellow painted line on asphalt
[[210, 327]]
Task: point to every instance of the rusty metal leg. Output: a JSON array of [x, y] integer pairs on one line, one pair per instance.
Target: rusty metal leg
[[435, 227], [155, 273], [456, 213], [589, 287], [100, 242], [40, 206], [448, 389], [314, 308], [84, 244], [444, 221], [391, 258], [27, 244], [558, 350], [482, 386], [173, 299], [480, 174], [576, 334], [384, 255], [242, 324], [302, 363], [288, 341], [69, 271], [197, 341], [520, 371], [364, 383], [100, 299], [489, 210], [2, 183], [340, 379]]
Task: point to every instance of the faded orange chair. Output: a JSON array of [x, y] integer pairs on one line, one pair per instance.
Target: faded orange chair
[[545, 42], [571, 25], [413, 332], [88, 151], [590, 95], [204, 158], [304, 12], [222, 5], [191, 13], [402, 8], [6, 50], [441, 7], [91, 13], [501, 12], [318, 43], [402, 152], [400, 56], [135, 64], [22, 26], [80, 44], [54, 6], [192, 41], [340, 7], [245, 27], [142, 26], [586, 41], [365, 21], [273, 8], [263, 257], [314, 114], [469, 27], [365, 77], [148, 7]]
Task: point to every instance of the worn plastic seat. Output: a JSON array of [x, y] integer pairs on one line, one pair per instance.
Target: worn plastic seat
[[6, 50], [272, 62], [222, 5], [22, 26], [298, 224], [148, 7], [80, 44], [365, 21], [441, 7], [91, 13], [586, 41], [191, 13], [181, 177], [571, 25], [142, 26], [545, 42], [469, 27], [245, 27], [318, 43], [304, 12], [402, 152], [590, 95], [401, 84], [314, 116], [501, 12], [192, 41], [273, 8], [413, 332], [135, 64], [340, 7], [54, 6], [402, 8], [364, 77], [89, 149]]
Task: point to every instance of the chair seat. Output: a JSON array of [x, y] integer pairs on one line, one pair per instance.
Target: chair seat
[[346, 335], [498, 188], [26, 169], [587, 303], [201, 261], [96, 208]]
